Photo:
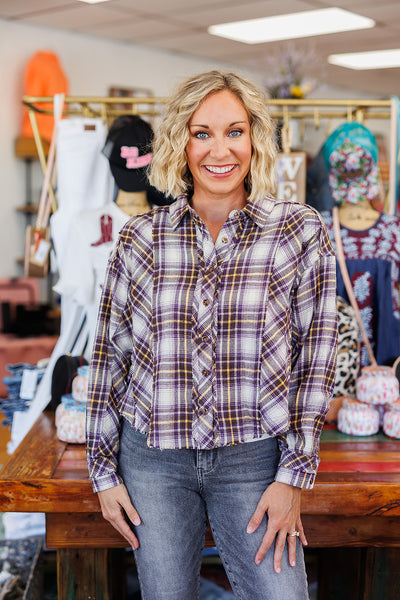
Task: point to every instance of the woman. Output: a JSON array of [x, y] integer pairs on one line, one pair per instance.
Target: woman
[[214, 358]]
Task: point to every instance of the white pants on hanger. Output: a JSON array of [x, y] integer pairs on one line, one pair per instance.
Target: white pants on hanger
[[84, 180]]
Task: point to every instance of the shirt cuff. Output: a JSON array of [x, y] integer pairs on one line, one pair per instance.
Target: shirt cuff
[[105, 482], [296, 478]]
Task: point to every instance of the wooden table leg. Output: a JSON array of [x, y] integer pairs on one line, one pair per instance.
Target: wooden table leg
[[89, 574]]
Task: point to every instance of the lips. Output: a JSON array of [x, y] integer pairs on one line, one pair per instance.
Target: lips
[[223, 170]]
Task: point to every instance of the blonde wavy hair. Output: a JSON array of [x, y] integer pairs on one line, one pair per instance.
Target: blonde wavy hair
[[169, 170]]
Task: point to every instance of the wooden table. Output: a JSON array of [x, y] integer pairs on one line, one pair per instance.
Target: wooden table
[[355, 503]]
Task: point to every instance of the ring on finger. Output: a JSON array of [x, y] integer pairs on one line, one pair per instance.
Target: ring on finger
[[294, 534]]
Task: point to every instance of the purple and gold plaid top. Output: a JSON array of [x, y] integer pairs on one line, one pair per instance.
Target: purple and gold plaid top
[[201, 345]]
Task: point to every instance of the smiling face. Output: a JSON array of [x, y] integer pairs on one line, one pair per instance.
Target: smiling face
[[219, 149]]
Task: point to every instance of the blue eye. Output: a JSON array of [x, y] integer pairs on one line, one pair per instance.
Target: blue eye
[[202, 135], [235, 132]]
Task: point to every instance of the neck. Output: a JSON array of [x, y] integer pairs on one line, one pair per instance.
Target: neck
[[358, 216], [132, 203], [215, 211]]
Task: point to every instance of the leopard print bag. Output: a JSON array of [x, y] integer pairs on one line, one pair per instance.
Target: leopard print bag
[[348, 350]]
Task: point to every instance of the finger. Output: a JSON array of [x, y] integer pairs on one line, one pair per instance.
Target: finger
[[267, 541], [256, 519], [291, 542], [264, 546], [123, 528], [132, 513], [302, 536], [279, 548]]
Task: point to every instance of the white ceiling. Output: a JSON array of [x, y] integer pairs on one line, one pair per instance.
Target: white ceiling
[[181, 26]]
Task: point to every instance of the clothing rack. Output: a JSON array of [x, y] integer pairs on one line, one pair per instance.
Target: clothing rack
[[358, 110]]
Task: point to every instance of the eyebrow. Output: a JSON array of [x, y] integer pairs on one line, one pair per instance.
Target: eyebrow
[[207, 126]]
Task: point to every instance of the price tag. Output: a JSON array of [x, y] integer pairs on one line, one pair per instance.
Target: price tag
[[28, 384], [41, 253]]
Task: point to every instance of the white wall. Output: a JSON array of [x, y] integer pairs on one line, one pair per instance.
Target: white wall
[[92, 66]]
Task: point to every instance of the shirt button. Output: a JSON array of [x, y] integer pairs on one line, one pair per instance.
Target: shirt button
[[225, 240], [205, 372], [205, 338], [206, 302], [237, 214], [202, 411]]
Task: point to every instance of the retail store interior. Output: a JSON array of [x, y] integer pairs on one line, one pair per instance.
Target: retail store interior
[[70, 71]]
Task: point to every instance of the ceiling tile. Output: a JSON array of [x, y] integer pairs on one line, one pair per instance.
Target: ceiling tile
[[17, 8], [239, 11], [382, 82], [200, 43], [77, 17], [355, 5], [137, 29], [167, 6], [388, 12]]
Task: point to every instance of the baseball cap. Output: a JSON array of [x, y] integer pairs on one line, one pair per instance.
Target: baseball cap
[[128, 148]]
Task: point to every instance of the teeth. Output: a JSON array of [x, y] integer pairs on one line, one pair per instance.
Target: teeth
[[220, 169]]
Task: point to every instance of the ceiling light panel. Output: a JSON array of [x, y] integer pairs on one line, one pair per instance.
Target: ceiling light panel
[[93, 1], [361, 61], [296, 25]]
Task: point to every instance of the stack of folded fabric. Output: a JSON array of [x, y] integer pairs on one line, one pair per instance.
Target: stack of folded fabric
[[21, 386]]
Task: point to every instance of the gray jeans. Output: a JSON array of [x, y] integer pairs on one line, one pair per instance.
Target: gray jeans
[[175, 491]]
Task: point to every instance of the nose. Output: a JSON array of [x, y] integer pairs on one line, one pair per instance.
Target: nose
[[220, 147]]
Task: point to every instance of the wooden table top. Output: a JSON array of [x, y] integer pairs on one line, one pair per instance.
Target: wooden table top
[[357, 478]]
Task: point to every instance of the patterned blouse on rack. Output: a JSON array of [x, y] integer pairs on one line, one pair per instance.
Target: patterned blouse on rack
[[373, 261]]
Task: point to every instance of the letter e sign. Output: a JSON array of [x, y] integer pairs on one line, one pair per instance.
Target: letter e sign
[[291, 176]]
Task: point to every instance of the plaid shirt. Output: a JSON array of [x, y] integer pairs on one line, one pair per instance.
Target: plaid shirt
[[201, 345]]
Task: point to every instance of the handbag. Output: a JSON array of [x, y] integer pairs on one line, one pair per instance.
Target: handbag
[[348, 350], [65, 369]]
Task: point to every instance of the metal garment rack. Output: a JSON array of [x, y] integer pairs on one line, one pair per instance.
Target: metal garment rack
[[108, 108]]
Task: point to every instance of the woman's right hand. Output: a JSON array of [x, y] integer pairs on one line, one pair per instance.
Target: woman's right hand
[[112, 501]]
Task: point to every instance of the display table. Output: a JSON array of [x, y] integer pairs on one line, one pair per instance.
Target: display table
[[355, 502]]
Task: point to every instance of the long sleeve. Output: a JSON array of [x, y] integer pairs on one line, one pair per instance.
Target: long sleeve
[[314, 340], [108, 376]]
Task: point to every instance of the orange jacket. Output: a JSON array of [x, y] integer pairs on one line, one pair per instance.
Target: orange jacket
[[43, 76]]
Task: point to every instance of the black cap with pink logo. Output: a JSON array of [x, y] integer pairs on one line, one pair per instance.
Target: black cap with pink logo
[[128, 148]]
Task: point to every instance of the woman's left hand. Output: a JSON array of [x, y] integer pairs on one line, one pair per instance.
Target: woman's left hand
[[281, 503]]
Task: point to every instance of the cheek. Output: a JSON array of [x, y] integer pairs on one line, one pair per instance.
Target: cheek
[[247, 153], [192, 153]]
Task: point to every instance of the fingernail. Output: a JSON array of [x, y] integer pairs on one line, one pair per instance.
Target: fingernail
[[250, 529], [257, 561], [293, 563], [136, 521], [277, 570]]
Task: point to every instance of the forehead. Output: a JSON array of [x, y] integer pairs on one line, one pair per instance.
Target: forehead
[[220, 105]]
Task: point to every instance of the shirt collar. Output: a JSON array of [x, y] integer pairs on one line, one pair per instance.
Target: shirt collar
[[177, 210], [257, 210]]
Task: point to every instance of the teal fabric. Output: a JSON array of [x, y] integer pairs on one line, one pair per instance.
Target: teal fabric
[[354, 132], [397, 124]]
